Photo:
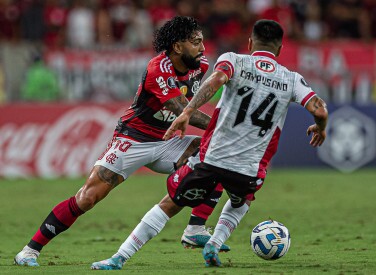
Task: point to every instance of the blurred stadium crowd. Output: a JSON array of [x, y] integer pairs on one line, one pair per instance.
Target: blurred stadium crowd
[[130, 23], [48, 25]]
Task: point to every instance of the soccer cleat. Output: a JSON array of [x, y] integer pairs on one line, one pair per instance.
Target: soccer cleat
[[197, 236], [27, 257], [210, 253], [113, 263]]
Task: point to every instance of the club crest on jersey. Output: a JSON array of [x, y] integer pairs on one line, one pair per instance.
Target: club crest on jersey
[[265, 66], [162, 84], [195, 87]]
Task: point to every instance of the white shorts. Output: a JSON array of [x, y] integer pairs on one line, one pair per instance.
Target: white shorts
[[124, 156]]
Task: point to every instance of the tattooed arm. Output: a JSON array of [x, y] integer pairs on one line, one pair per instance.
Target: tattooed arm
[[317, 107], [204, 94], [177, 104], [206, 91]]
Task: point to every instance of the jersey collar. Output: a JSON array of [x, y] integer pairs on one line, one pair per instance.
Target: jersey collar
[[264, 53]]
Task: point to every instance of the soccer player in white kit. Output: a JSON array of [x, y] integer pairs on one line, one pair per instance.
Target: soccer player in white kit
[[239, 142]]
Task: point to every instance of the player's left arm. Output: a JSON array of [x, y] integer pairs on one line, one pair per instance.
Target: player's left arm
[[177, 105], [317, 107]]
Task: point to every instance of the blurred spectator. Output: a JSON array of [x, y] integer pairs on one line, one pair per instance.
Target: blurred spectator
[[139, 33], [55, 17], [80, 25], [9, 20], [226, 25], [370, 8], [2, 85], [160, 11], [120, 12], [348, 19], [41, 83], [103, 24], [258, 6], [186, 8], [314, 29], [31, 21], [281, 12]]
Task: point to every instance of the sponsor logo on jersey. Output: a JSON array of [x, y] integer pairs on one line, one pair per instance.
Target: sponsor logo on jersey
[[268, 82], [265, 66], [184, 90], [165, 115], [162, 84], [194, 73], [171, 82]]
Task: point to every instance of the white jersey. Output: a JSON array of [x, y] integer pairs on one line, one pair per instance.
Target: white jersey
[[246, 125]]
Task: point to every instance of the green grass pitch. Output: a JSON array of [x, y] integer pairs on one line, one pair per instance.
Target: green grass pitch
[[331, 218]]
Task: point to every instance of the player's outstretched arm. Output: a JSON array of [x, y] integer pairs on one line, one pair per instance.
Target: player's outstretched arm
[[204, 94], [177, 104], [317, 107]]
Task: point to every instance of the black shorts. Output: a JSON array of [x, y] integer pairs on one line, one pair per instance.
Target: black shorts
[[197, 185]]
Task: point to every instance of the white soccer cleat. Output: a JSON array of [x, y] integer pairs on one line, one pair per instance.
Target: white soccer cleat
[[27, 257]]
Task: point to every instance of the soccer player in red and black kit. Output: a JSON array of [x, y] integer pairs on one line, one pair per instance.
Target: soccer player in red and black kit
[[169, 81]]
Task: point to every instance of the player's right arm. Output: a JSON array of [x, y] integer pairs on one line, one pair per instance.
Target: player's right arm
[[317, 107], [177, 105]]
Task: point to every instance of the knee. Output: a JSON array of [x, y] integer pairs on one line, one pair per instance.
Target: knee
[[169, 207], [86, 200]]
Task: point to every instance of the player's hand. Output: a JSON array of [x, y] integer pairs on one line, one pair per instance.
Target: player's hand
[[318, 135], [180, 123]]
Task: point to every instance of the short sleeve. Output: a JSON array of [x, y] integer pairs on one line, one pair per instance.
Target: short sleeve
[[161, 82], [226, 64], [302, 92]]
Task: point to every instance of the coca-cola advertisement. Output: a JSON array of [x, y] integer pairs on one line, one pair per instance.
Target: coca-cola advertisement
[[52, 140]]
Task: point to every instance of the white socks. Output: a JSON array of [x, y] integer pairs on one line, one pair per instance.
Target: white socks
[[228, 221], [151, 224]]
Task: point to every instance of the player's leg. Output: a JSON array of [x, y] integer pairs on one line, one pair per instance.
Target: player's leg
[[121, 158], [196, 234], [154, 220], [177, 151], [150, 226], [229, 219], [100, 182], [240, 189]]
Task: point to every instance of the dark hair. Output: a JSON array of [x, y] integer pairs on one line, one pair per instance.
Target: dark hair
[[267, 31], [180, 28]]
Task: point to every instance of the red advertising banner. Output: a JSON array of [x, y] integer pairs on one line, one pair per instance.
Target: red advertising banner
[[54, 140], [341, 72]]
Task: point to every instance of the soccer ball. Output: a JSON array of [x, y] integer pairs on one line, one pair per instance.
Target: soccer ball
[[270, 240]]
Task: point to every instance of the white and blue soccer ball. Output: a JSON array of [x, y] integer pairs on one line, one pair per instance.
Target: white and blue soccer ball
[[270, 240]]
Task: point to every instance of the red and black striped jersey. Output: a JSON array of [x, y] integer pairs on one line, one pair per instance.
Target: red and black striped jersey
[[147, 119]]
